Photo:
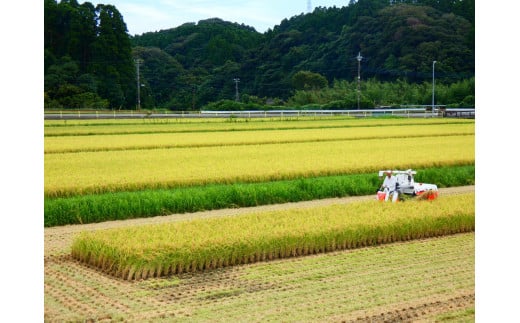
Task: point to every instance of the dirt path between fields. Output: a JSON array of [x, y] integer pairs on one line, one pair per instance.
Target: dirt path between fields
[[57, 240]]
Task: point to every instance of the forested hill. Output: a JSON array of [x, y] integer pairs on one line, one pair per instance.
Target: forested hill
[[188, 66], [207, 44]]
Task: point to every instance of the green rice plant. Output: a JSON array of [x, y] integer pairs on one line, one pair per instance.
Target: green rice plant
[[147, 251]]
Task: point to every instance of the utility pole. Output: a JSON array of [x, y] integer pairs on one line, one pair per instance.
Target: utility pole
[[236, 79], [359, 58], [194, 88], [137, 62], [433, 87]]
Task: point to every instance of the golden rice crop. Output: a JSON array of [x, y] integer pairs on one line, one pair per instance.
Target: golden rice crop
[[156, 250], [57, 144], [96, 172], [93, 127]]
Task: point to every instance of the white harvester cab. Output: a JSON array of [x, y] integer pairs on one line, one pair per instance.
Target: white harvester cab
[[407, 185]]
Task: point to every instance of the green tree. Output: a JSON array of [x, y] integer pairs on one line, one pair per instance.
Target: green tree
[[221, 85], [161, 75], [87, 56], [306, 80], [112, 59], [66, 88]]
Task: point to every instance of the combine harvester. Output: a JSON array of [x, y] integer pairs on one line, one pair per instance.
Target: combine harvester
[[406, 185]]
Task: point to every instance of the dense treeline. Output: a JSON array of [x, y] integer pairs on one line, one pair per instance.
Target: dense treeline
[[342, 94], [90, 60]]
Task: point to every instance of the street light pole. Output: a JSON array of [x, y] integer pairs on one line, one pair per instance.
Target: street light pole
[[433, 87], [359, 58]]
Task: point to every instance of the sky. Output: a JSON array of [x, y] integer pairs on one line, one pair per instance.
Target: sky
[[143, 16]]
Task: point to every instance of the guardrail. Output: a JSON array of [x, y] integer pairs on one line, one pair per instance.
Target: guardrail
[[311, 113], [407, 112], [459, 113]]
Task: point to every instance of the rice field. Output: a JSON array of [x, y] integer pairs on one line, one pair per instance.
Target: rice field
[[345, 262], [430, 280], [129, 170], [105, 127], [159, 250], [100, 160], [110, 142], [149, 203]]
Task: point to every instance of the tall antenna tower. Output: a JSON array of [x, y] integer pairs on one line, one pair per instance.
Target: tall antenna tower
[[309, 6]]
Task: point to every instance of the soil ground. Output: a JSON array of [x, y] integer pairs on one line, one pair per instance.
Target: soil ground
[[75, 292]]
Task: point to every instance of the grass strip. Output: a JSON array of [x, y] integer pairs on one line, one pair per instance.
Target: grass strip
[[148, 203], [158, 250]]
